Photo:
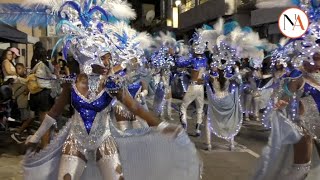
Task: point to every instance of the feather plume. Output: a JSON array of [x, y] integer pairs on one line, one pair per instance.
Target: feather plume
[[144, 39], [230, 26], [53, 4], [283, 41], [210, 36], [165, 39], [36, 15], [219, 25], [120, 9], [183, 49]]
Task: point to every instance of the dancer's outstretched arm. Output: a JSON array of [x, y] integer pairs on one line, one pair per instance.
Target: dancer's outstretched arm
[[136, 108], [53, 114]]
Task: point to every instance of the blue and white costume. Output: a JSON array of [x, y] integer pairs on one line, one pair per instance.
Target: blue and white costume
[[89, 146], [195, 92]]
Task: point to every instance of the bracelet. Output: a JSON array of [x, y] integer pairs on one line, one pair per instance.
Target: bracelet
[[162, 125]]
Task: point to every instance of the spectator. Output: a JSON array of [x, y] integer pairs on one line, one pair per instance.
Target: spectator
[[73, 65], [36, 54], [64, 69], [15, 54], [20, 95], [8, 68], [42, 101]]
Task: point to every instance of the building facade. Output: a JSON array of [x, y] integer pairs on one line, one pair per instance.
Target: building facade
[[45, 34], [194, 13]]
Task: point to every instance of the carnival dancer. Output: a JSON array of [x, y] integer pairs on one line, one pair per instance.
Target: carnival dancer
[[137, 87], [195, 92], [229, 44], [89, 147], [290, 153], [162, 60], [181, 75]]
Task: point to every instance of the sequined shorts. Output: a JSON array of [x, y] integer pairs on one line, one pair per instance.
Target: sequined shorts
[[72, 147]]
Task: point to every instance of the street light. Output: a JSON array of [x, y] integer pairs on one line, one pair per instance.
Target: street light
[[178, 2]]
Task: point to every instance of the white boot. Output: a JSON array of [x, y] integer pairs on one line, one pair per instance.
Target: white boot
[[232, 146], [297, 172], [169, 109]]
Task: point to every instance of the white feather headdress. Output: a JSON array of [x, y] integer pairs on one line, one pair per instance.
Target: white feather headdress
[[120, 9]]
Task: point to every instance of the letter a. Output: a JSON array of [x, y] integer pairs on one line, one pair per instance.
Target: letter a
[[298, 19]]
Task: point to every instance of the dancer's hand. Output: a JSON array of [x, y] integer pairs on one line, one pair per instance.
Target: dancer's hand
[[99, 69], [281, 104], [31, 146]]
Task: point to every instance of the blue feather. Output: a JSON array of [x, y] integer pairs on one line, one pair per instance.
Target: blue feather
[[76, 6], [66, 48], [261, 47], [296, 2], [230, 26], [111, 20], [247, 29], [70, 25], [104, 14], [207, 27], [87, 5], [56, 46], [31, 16]]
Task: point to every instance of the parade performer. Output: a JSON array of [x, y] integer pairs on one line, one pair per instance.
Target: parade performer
[[162, 60], [229, 44], [195, 92], [181, 75], [137, 87], [290, 153], [89, 147]]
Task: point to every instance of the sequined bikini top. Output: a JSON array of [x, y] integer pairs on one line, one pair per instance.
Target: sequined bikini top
[[133, 88], [195, 63], [88, 108]]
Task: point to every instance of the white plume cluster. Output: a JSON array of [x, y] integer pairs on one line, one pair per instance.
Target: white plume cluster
[[120, 9], [165, 39]]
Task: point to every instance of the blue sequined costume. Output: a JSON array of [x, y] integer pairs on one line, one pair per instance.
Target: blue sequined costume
[[90, 130]]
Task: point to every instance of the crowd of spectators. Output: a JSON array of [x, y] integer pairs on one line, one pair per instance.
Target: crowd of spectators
[[31, 100]]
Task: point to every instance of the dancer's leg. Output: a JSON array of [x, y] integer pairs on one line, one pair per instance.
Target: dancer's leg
[[169, 108], [187, 99], [72, 163], [303, 150], [256, 107], [248, 102], [108, 160], [45, 139], [302, 160], [199, 105]]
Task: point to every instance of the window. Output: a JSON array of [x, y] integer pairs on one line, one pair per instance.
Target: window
[[187, 5], [203, 1]]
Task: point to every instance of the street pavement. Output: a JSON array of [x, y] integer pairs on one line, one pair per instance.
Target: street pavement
[[219, 164]]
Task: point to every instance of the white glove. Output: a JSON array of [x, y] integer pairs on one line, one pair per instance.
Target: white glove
[[144, 93], [45, 125]]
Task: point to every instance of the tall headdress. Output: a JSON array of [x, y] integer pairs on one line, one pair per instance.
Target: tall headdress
[[162, 57]]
